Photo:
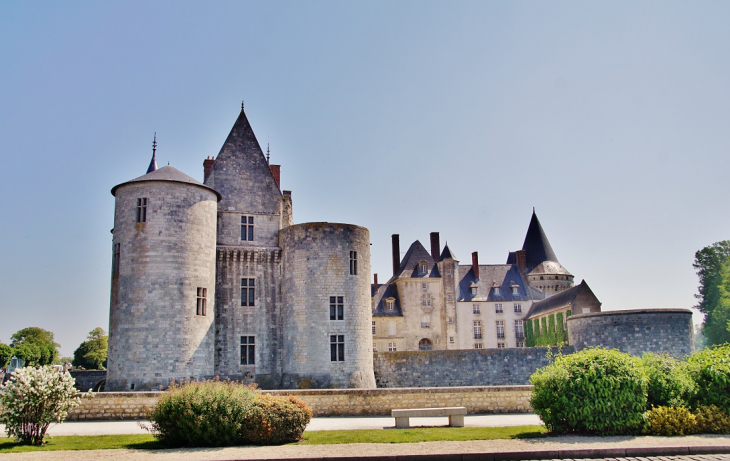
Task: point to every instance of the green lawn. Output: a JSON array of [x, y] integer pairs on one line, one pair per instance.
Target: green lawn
[[416, 434]]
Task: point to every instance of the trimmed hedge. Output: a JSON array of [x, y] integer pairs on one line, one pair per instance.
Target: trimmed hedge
[[670, 421], [710, 369], [594, 391], [670, 383], [215, 413]]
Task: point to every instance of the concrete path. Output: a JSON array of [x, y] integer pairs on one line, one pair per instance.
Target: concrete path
[[317, 424]]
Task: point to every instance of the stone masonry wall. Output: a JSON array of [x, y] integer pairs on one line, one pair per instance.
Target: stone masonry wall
[[635, 331], [469, 367], [333, 402]]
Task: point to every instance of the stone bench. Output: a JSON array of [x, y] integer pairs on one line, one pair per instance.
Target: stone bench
[[455, 414]]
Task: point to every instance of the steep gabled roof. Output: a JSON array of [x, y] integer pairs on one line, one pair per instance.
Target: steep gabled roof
[[447, 254], [416, 254], [241, 173], [537, 245], [166, 173], [381, 295], [503, 276], [579, 296]]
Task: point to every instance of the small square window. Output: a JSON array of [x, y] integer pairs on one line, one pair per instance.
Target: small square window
[[498, 308], [500, 345], [478, 345], [448, 271], [475, 309], [451, 339], [391, 347]]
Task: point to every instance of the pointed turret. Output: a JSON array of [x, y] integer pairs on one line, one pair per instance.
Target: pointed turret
[[153, 162], [537, 245], [243, 177]]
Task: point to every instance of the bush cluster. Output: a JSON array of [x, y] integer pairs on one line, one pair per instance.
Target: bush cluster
[[33, 399], [595, 391], [608, 392], [222, 413]]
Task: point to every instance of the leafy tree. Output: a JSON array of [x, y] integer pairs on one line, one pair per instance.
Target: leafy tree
[[709, 263], [28, 352], [91, 354], [46, 349], [6, 353]]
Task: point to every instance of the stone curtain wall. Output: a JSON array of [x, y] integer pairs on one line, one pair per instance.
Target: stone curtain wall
[[635, 331], [332, 402], [87, 379], [470, 367]]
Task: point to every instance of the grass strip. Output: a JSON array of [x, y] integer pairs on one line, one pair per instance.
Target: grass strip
[[412, 435]]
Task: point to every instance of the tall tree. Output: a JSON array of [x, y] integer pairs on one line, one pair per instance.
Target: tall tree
[[6, 353], [91, 354], [39, 343], [710, 263]]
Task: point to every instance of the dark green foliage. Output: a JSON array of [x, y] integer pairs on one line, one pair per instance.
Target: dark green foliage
[[670, 383], [42, 349], [711, 264], [595, 391], [710, 369], [214, 413], [552, 332], [91, 354], [6, 353], [670, 421], [529, 335], [712, 420]]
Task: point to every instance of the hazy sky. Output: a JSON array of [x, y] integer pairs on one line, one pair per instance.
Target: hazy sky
[[611, 118]]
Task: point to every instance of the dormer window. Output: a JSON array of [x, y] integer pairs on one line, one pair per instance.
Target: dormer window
[[496, 290], [473, 290], [390, 304], [515, 289], [423, 267]]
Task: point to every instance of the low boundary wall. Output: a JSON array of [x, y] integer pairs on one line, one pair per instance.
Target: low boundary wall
[[334, 402]]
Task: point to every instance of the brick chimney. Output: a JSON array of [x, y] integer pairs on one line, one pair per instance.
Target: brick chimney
[[396, 252], [375, 282], [475, 264], [435, 246], [207, 165], [276, 171], [521, 256]]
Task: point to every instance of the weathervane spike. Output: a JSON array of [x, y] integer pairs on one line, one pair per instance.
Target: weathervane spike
[[268, 153], [241, 104], [153, 162]]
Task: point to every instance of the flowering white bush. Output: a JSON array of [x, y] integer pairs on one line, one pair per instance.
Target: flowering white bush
[[33, 399]]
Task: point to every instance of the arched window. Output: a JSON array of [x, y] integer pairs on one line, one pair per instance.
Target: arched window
[[425, 345]]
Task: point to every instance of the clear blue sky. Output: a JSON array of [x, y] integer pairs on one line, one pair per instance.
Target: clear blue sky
[[611, 118]]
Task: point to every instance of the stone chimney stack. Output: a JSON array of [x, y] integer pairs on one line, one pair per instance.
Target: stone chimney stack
[[396, 252], [375, 282], [276, 171], [475, 264], [207, 165], [521, 256], [435, 246]]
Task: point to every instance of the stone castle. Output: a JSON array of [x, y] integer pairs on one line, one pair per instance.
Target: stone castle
[[214, 279]]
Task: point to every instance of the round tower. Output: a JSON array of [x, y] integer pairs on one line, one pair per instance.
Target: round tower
[[326, 314], [163, 281]]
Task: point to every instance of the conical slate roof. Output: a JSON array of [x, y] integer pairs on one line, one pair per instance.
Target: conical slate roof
[[447, 254], [166, 173], [537, 245], [241, 173]]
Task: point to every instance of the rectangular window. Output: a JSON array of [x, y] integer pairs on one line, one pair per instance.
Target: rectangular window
[[337, 348], [451, 339], [520, 344], [391, 347], [248, 350], [391, 329], [142, 209], [519, 329], [424, 286], [373, 327], [450, 320], [498, 308], [500, 329], [518, 308], [247, 228], [375, 347], [337, 307], [475, 309], [201, 301], [448, 271], [247, 292], [425, 321], [115, 258], [478, 345], [477, 329], [500, 345], [353, 263]]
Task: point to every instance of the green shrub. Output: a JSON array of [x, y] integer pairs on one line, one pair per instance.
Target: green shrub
[[670, 421], [710, 369], [595, 391], [712, 420], [276, 420], [670, 383], [215, 413]]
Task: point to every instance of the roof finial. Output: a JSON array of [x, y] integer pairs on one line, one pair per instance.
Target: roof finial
[[268, 153], [533, 210], [241, 104], [153, 162]]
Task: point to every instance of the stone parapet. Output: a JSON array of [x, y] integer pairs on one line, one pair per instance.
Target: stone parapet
[[333, 402]]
